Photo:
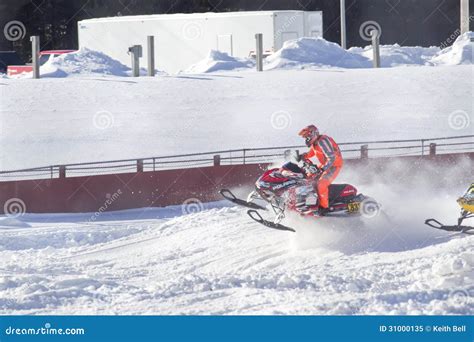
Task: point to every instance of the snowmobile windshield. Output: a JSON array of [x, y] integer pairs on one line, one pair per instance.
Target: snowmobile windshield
[[470, 192], [292, 167]]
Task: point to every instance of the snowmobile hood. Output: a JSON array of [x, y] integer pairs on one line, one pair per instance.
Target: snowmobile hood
[[467, 200], [466, 204]]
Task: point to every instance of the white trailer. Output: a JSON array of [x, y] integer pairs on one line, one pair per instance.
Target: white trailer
[[184, 39]]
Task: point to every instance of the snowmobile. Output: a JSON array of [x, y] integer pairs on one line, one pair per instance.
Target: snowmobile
[[290, 189], [466, 202]]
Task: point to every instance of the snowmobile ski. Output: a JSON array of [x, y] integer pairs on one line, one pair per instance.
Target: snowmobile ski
[[228, 195], [455, 228], [255, 215], [466, 202]]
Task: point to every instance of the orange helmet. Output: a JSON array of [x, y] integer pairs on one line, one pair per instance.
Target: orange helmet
[[310, 134]]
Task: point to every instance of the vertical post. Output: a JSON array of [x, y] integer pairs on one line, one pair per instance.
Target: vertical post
[[62, 171], [151, 55], [217, 160], [35, 50], [140, 165], [259, 51], [376, 47], [135, 52], [432, 149], [343, 25], [464, 16], [364, 152]]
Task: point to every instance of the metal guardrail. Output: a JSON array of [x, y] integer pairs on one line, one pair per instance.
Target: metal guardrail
[[350, 150]]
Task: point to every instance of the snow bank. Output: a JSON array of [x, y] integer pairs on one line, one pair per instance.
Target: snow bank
[[314, 52], [83, 62], [461, 52], [396, 55], [317, 52], [11, 222], [217, 60]]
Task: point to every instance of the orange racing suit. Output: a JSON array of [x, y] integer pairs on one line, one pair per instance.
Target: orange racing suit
[[329, 155]]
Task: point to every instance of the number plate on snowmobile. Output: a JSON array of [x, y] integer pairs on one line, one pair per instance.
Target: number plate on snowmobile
[[353, 207]]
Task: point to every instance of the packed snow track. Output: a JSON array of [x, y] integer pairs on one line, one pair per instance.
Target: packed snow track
[[217, 261]]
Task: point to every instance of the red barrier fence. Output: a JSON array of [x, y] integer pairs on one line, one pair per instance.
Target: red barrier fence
[[99, 193], [124, 191], [350, 150]]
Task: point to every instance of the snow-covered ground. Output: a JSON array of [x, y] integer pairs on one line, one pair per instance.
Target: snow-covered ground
[[93, 118], [216, 260]]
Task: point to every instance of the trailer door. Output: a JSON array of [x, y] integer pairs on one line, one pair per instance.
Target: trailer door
[[285, 36], [313, 24], [224, 43]]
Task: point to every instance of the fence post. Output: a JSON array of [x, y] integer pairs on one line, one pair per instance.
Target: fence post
[[432, 149], [464, 16], [259, 51], [136, 52], [151, 55], [140, 165], [217, 160], [35, 50], [364, 152], [343, 25], [376, 47], [62, 171]]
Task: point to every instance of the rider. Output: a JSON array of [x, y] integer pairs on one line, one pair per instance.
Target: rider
[[329, 155]]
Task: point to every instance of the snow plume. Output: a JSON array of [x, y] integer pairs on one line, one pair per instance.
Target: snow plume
[[409, 192]]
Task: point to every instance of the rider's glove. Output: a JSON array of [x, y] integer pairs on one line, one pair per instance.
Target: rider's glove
[[312, 169]]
